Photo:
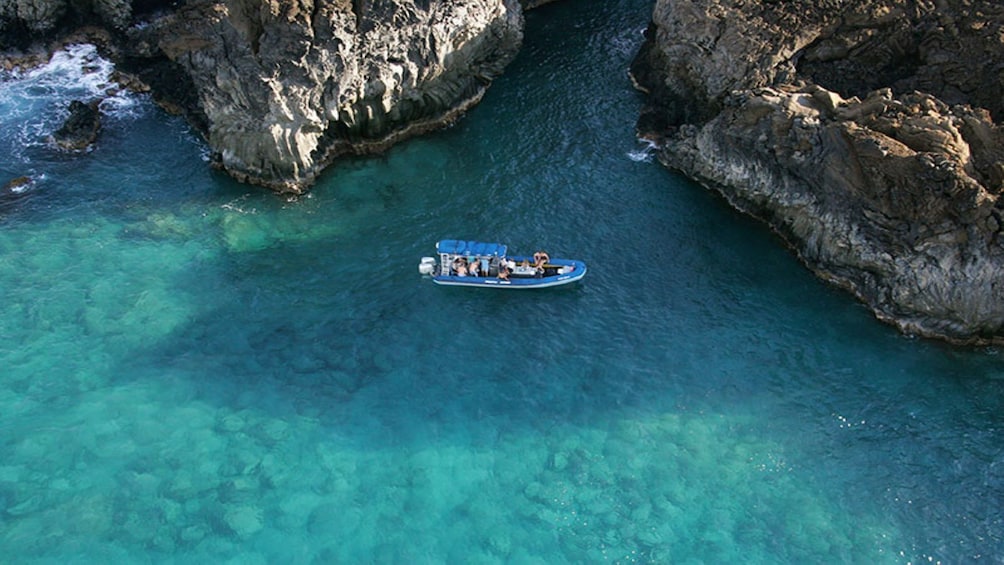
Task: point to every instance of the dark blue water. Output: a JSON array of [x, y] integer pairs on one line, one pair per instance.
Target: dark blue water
[[192, 370]]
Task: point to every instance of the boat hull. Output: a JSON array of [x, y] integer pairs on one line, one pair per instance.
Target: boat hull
[[520, 281]]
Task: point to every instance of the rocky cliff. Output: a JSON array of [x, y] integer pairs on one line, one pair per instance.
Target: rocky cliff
[[281, 88], [24, 20], [862, 131]]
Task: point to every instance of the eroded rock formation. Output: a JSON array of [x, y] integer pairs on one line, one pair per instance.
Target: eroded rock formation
[[862, 131], [18, 17], [282, 88]]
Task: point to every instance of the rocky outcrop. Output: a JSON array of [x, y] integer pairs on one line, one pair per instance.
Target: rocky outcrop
[[863, 132], [20, 19], [282, 88], [14, 191], [17, 185], [80, 128]]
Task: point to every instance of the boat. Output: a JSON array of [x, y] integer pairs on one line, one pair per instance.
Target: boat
[[476, 263]]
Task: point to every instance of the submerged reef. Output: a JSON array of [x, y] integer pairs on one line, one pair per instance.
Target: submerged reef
[[862, 132]]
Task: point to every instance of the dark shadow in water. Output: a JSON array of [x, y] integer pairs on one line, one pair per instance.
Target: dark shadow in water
[[689, 308]]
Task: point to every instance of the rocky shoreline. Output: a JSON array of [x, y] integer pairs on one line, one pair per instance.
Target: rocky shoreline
[[862, 132], [281, 89]]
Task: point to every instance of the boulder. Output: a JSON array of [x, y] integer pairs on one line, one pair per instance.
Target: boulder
[[81, 127], [18, 185], [16, 190]]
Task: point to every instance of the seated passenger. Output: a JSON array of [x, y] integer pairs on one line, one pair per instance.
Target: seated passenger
[[472, 269], [540, 258], [503, 271]]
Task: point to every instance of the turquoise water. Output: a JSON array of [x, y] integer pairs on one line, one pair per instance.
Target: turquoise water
[[196, 371]]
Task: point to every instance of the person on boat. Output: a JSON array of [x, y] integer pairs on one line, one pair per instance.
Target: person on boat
[[540, 258], [503, 271], [460, 266], [472, 267]]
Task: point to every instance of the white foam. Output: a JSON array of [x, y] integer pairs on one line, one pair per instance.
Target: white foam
[[34, 102], [77, 69], [18, 189], [239, 205], [205, 153], [122, 104], [643, 154], [77, 72], [34, 179]]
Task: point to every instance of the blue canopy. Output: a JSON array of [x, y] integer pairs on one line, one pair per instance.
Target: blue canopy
[[458, 247]]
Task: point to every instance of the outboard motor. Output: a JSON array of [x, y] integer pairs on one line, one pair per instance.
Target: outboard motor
[[427, 266]]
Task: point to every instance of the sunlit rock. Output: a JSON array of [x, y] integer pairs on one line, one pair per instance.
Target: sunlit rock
[[862, 132]]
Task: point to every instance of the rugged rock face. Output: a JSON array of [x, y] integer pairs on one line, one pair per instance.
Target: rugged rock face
[[282, 88], [863, 132], [19, 18]]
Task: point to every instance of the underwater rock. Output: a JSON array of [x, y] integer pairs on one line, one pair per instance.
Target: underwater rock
[[324, 519], [232, 423], [244, 520], [273, 431]]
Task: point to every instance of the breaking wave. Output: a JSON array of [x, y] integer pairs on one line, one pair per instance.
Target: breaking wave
[[644, 154], [34, 102]]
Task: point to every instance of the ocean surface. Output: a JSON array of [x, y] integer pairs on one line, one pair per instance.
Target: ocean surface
[[198, 371]]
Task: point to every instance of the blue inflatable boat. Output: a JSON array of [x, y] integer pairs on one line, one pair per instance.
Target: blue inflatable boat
[[475, 263]]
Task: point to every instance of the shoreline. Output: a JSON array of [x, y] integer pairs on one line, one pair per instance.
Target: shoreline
[[893, 191]]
